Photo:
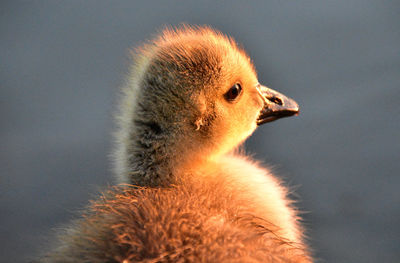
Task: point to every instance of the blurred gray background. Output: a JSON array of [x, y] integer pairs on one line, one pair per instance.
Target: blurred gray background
[[61, 63]]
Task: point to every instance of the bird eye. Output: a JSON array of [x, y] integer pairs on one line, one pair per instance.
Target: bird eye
[[233, 92]]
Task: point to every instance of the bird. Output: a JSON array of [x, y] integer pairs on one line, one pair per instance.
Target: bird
[[186, 192]]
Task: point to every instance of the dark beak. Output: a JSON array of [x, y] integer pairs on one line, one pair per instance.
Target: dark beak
[[276, 105]]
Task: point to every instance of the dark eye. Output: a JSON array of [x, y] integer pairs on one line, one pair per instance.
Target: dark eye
[[233, 92]]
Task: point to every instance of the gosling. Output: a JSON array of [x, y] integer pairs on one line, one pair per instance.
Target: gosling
[[189, 196]]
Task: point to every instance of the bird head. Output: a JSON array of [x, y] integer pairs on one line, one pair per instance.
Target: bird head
[[198, 90]]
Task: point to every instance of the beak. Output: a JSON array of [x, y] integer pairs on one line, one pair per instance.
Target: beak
[[276, 105]]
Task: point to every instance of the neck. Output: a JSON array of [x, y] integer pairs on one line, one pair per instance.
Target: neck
[[155, 156]]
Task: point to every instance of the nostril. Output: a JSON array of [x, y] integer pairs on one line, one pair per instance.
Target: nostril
[[276, 100]]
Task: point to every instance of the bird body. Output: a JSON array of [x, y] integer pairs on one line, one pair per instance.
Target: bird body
[[191, 99]]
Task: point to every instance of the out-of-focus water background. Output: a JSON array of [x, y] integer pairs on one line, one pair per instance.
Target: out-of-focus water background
[[61, 63]]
